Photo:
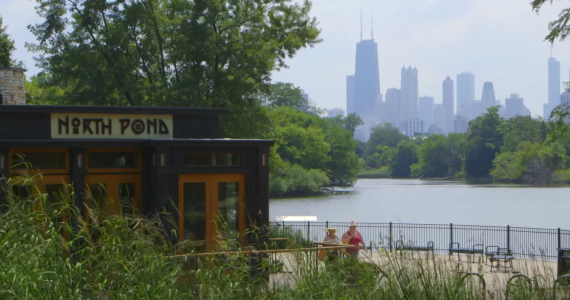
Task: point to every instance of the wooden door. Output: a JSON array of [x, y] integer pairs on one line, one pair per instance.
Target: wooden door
[[211, 209], [115, 194]]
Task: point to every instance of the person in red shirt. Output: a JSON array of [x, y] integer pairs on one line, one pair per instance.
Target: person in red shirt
[[353, 237]]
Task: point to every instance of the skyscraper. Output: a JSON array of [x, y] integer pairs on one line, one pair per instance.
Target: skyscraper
[[426, 111], [514, 106], [460, 124], [331, 113], [392, 107], [488, 97], [409, 87], [366, 80], [447, 88], [465, 92], [350, 94], [438, 118], [554, 84]]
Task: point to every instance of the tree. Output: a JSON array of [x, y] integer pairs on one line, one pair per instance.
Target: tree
[[6, 49], [432, 156], [532, 163], [519, 129], [406, 156], [385, 135], [483, 142], [285, 94], [217, 53], [350, 122]]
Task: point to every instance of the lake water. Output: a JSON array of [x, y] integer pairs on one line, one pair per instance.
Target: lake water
[[436, 202]]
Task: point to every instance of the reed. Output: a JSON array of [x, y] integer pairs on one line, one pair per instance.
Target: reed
[[129, 257]]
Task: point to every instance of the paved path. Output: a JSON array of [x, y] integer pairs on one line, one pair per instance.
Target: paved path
[[495, 280]]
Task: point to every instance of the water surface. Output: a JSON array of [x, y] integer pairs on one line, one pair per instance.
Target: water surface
[[436, 202]]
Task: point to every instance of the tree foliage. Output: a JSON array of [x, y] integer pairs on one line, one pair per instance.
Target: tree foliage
[[217, 53], [406, 156], [384, 135], [6, 48], [483, 142]]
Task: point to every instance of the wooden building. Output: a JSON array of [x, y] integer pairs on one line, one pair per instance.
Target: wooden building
[[141, 159]]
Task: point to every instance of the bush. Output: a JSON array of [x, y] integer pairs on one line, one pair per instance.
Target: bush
[[297, 181]]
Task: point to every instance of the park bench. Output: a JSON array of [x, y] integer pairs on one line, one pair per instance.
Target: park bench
[[429, 248], [491, 251], [503, 255], [476, 249]]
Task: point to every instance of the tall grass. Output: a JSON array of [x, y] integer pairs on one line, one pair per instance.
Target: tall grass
[[129, 257]]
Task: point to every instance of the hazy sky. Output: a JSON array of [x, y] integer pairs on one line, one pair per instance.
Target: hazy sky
[[497, 40]]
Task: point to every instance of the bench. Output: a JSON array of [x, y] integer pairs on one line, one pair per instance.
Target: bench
[[503, 255], [491, 251], [429, 248], [476, 249]]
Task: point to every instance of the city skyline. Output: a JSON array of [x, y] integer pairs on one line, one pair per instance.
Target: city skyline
[[440, 37]]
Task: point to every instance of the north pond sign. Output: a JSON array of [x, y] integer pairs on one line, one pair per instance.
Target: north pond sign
[[110, 126]]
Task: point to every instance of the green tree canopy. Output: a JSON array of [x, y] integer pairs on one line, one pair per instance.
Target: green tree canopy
[[406, 156], [384, 135], [483, 142], [6, 48], [188, 53], [519, 129]]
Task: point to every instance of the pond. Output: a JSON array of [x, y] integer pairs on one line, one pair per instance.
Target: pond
[[436, 202]]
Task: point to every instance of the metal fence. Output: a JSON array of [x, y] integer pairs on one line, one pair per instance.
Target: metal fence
[[534, 243]]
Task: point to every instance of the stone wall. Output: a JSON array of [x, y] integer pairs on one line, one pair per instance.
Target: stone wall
[[12, 86]]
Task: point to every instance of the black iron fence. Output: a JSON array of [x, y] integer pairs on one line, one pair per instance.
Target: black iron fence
[[534, 243]]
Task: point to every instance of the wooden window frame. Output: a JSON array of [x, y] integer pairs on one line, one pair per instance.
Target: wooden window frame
[[90, 170], [38, 171], [212, 157]]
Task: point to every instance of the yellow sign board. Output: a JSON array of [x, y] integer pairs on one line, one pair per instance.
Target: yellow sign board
[[110, 126]]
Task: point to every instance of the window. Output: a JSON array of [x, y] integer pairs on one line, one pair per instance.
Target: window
[[195, 211], [38, 160], [228, 193], [97, 195], [109, 160], [212, 159]]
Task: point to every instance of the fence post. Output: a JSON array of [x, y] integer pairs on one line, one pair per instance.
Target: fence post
[[508, 237], [559, 239], [390, 237], [327, 224], [308, 231], [283, 232], [450, 236]]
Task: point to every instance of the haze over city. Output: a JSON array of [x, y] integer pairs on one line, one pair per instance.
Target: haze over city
[[439, 37]]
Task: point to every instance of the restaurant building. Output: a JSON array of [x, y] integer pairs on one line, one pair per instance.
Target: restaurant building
[[140, 160]]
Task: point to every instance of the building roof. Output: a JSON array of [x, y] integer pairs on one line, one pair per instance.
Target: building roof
[[48, 109]]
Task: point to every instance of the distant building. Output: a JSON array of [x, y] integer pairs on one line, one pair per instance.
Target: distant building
[[465, 83], [475, 110], [409, 90], [305, 106], [565, 98], [438, 117], [488, 97], [554, 86], [414, 126], [448, 109], [331, 113], [392, 107], [366, 80], [514, 106], [425, 112], [362, 133], [433, 129], [460, 124], [350, 94]]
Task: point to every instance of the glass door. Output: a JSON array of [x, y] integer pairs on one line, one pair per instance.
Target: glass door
[[114, 194], [211, 210]]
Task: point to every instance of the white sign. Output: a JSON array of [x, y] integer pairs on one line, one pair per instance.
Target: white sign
[[110, 126]]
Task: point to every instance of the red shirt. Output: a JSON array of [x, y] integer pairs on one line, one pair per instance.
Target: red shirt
[[355, 239]]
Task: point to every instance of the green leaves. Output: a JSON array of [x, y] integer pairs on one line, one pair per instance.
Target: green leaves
[[6, 49], [218, 53]]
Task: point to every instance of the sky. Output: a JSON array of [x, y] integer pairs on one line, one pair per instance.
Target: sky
[[497, 40]]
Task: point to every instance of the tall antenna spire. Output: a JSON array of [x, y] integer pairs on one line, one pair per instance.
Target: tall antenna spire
[[371, 23], [361, 22]]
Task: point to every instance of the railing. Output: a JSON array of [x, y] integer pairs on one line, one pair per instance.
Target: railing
[[533, 243]]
